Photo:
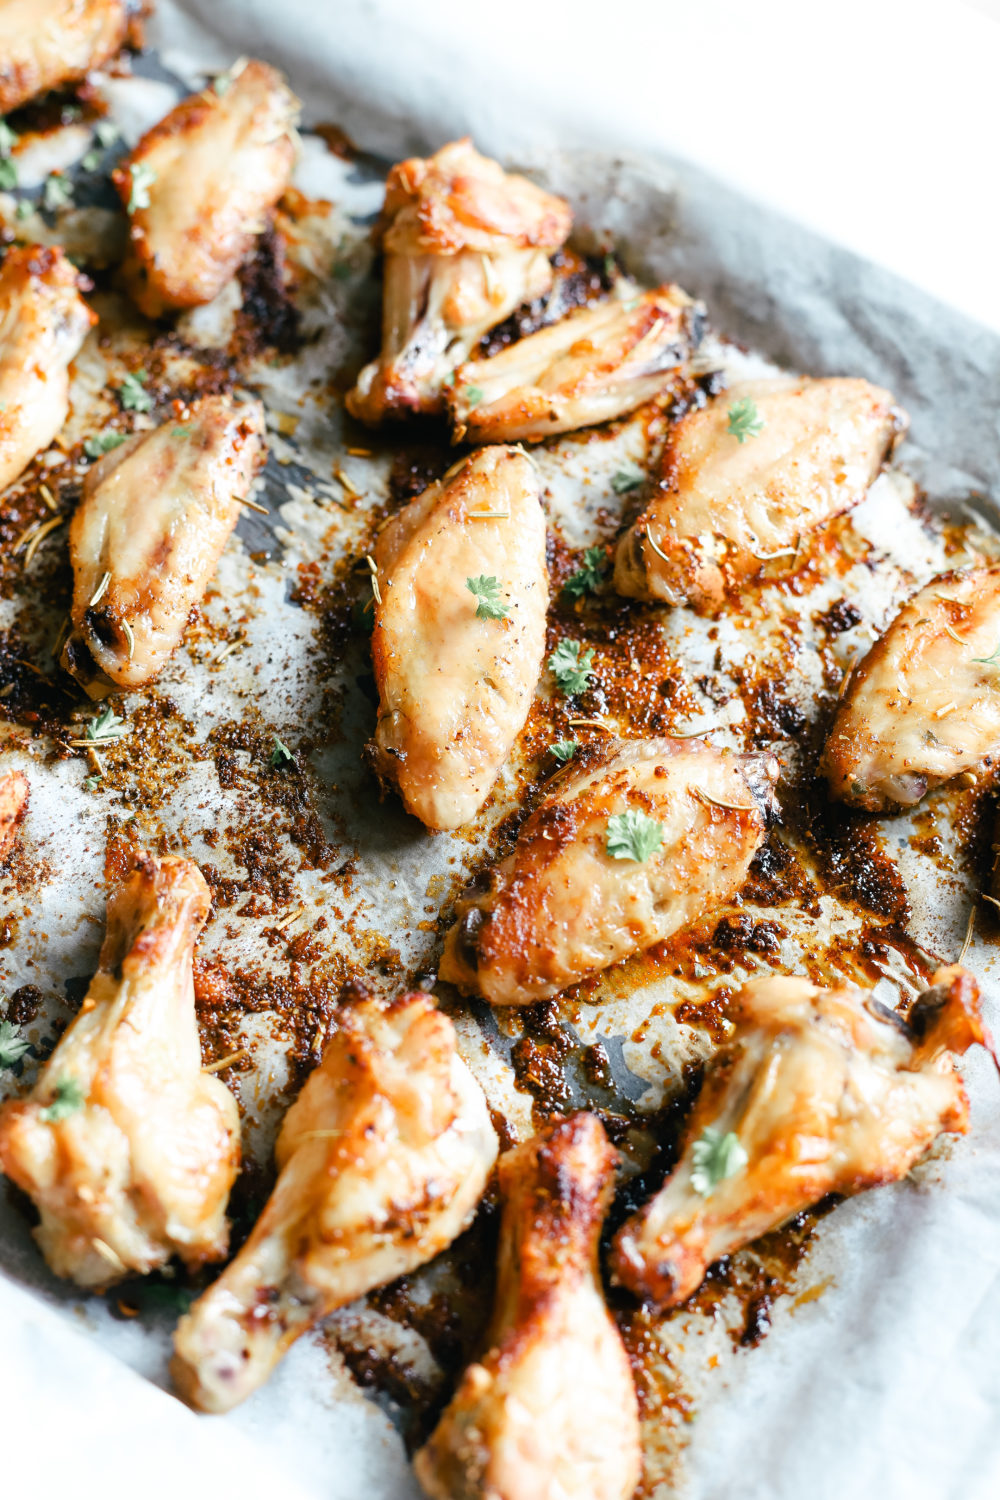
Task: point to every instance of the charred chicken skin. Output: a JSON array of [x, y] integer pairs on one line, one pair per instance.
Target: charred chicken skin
[[199, 185], [580, 892], [382, 1160], [43, 323], [14, 792], [820, 1091], [924, 705], [549, 1412], [746, 477], [45, 44], [465, 243], [147, 536], [596, 364], [456, 671], [126, 1147]]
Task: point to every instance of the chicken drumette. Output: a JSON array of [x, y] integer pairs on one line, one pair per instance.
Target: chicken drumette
[[126, 1147], [820, 1091], [550, 1409], [382, 1160]]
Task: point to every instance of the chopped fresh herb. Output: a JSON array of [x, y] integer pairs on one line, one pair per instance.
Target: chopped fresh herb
[[745, 421], [281, 757], [473, 394], [131, 393], [92, 783], [142, 179], [57, 193], [993, 656], [343, 270], [8, 174], [8, 139], [104, 442], [631, 835], [66, 1100], [105, 726], [571, 669], [610, 267], [588, 579], [628, 478], [24, 209], [449, 379], [92, 160], [183, 431], [163, 1294], [12, 1046], [564, 750], [106, 132], [716, 1157], [489, 605]]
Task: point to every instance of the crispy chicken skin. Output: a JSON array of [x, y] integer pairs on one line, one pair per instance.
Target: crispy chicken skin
[[827, 1091], [382, 1160], [465, 244], [924, 704], [550, 1411], [596, 364], [47, 43], [14, 790], [43, 323], [560, 907], [126, 1147], [724, 507], [147, 536], [455, 689], [199, 185]]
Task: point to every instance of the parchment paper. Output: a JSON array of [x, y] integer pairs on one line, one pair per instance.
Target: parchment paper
[[888, 1382]]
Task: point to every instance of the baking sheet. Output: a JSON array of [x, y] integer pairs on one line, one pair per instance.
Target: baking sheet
[[878, 1371]]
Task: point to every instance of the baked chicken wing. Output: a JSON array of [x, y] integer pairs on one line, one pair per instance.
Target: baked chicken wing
[[820, 1091], [596, 364], [14, 792], [925, 702], [638, 841], [47, 43], [746, 477], [127, 1148], [456, 669], [147, 536], [43, 323], [550, 1411], [382, 1160], [199, 185], [465, 244]]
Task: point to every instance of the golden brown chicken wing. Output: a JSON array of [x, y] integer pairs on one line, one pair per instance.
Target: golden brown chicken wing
[[925, 702], [14, 792], [455, 668], [637, 841], [147, 536], [43, 323], [47, 43], [199, 185], [749, 475], [382, 1160], [550, 1409], [126, 1147], [465, 244], [598, 363], [820, 1091]]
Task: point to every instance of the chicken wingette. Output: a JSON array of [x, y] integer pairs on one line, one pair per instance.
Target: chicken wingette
[[43, 323], [634, 843], [147, 536], [199, 185], [549, 1412], [820, 1091], [45, 44], [127, 1148], [924, 704], [598, 363], [455, 668], [465, 243], [747, 477], [382, 1160]]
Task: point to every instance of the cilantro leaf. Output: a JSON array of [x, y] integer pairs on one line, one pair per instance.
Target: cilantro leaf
[[631, 835], [571, 669], [627, 478], [564, 750], [131, 393], [588, 579], [715, 1157], [473, 394], [58, 191], [141, 179], [104, 442], [67, 1098], [489, 605], [281, 757], [745, 421], [8, 174], [12, 1046]]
